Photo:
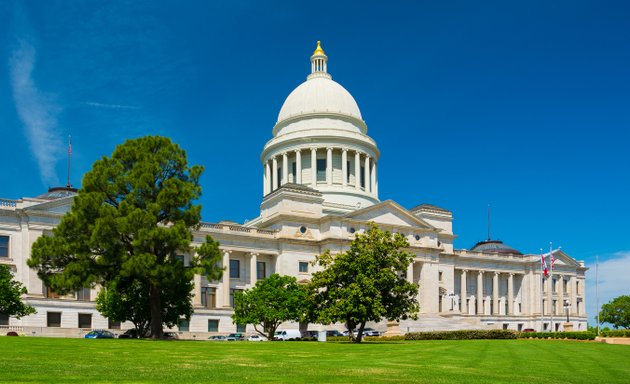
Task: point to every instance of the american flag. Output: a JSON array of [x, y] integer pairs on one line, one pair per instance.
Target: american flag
[[543, 265]]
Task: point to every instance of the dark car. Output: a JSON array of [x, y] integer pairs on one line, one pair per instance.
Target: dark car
[[527, 330], [99, 334], [131, 334], [235, 337], [333, 333]]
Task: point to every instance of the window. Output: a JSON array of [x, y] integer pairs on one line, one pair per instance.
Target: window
[[53, 319], [520, 327], [261, 270], [362, 177], [280, 180], [440, 275], [294, 171], [85, 320], [111, 324], [232, 292], [213, 325], [83, 295], [321, 169], [4, 319], [235, 266], [348, 172], [241, 328], [303, 267], [183, 325], [208, 297], [4, 246]]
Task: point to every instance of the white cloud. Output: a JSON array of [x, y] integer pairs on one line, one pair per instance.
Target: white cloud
[[614, 280], [36, 111], [111, 106]]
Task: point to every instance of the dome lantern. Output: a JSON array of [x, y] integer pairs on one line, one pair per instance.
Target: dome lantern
[[319, 63]]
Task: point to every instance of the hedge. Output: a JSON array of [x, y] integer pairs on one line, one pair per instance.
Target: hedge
[[463, 335], [616, 333], [584, 335]]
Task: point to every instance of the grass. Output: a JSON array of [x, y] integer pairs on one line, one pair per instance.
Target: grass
[[31, 359]]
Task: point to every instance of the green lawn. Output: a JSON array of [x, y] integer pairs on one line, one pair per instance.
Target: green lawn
[[32, 359]]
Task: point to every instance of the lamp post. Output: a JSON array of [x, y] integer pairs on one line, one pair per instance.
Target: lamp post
[[567, 305], [451, 295]]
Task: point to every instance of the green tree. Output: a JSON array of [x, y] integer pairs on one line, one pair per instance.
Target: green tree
[[11, 303], [616, 312], [271, 302], [365, 283], [126, 302], [129, 221]]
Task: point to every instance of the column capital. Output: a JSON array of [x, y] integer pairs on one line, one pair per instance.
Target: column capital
[[226, 251], [480, 272], [464, 271], [497, 273], [512, 274], [367, 156], [297, 150], [253, 253], [313, 148], [329, 148], [284, 154], [343, 149]]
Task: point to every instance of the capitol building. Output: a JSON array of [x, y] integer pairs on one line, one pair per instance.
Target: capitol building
[[320, 184]]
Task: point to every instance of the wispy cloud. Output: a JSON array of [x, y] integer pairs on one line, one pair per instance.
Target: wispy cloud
[[37, 112], [110, 106], [613, 281]]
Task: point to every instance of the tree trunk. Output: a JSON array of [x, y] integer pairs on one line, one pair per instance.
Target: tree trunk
[[360, 333], [156, 312]]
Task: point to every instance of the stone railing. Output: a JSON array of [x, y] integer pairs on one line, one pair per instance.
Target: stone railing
[[238, 228], [8, 203]]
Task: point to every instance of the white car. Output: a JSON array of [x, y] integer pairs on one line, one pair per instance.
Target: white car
[[256, 338]]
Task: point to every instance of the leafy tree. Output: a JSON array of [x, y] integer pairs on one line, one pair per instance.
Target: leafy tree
[[616, 312], [126, 302], [271, 302], [131, 219], [365, 283], [10, 295]]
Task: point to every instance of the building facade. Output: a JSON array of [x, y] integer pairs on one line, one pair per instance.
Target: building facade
[[320, 188]]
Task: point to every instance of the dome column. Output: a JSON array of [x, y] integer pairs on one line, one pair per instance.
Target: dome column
[[313, 167], [266, 187], [495, 294], [298, 166], [463, 295], [367, 173], [329, 166], [480, 308], [274, 171], [344, 166], [357, 170], [285, 168], [373, 180]]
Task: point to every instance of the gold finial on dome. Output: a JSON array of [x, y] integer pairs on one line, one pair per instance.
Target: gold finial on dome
[[319, 50]]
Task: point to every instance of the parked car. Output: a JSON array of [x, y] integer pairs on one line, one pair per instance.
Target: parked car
[[132, 334], [310, 335], [528, 330], [235, 337], [217, 338], [334, 333], [171, 335], [289, 334], [370, 332], [100, 334], [256, 338]]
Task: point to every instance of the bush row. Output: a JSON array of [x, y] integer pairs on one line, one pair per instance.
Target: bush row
[[584, 335], [463, 335], [616, 333]]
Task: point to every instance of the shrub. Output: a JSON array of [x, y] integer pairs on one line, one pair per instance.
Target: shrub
[[12, 333], [616, 333], [463, 335], [583, 335]]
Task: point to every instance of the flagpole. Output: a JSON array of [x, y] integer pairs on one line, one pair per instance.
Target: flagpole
[[552, 307], [69, 155], [597, 290], [542, 291]]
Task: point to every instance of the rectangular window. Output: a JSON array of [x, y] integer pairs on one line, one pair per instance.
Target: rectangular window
[[235, 271], [85, 320], [111, 324], [83, 294], [213, 325], [241, 328], [280, 180], [183, 325], [362, 176], [294, 171], [321, 169], [348, 172], [53, 319], [4, 246], [4, 319], [303, 267], [208, 297], [440, 274], [261, 272]]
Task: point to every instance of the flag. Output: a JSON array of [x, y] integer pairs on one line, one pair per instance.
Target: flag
[[543, 266]]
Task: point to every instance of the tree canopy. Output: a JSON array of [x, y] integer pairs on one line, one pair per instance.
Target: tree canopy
[[365, 283], [129, 222], [11, 303], [616, 312], [271, 302]]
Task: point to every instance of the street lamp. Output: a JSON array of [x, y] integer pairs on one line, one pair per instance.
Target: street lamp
[[567, 305]]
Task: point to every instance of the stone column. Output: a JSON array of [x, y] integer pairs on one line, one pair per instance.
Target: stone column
[[463, 296], [226, 278], [357, 170], [344, 166], [285, 168], [274, 171], [197, 297], [298, 166], [480, 293], [329, 166], [495, 294], [573, 295], [410, 272], [313, 167], [373, 178], [367, 173], [267, 178], [253, 259], [511, 294], [560, 301]]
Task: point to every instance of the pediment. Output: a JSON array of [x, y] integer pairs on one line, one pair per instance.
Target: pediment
[[389, 213], [56, 207], [564, 259]]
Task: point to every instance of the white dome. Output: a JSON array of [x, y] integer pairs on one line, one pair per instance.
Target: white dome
[[317, 95]]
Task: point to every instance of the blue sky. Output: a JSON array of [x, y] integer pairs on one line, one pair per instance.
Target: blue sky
[[523, 106]]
